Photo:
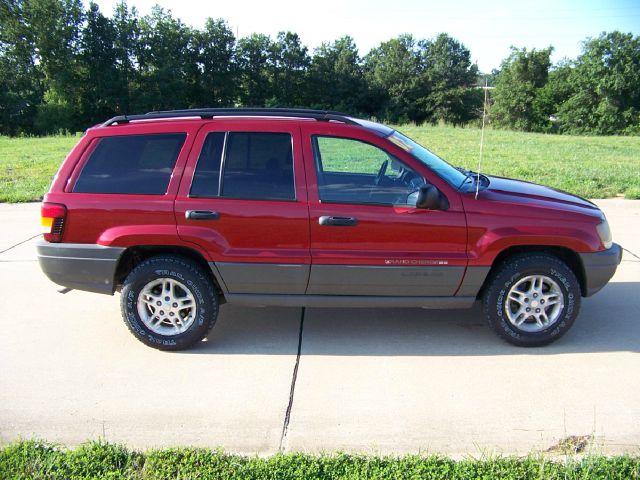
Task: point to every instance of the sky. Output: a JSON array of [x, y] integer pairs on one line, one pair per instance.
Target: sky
[[487, 28]]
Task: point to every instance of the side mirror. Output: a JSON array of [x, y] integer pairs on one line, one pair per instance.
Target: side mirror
[[430, 198]]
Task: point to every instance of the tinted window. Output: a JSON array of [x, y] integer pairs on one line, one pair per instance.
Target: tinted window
[[351, 171], [136, 164], [206, 180], [258, 166]]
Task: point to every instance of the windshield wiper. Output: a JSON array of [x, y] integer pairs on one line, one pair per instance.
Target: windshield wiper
[[467, 176], [472, 176]]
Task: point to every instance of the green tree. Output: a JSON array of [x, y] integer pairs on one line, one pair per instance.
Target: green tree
[[253, 60], [21, 87], [216, 61], [56, 27], [604, 94], [104, 83], [393, 70], [167, 63], [126, 44], [451, 78], [336, 77], [518, 104], [289, 65], [557, 90]]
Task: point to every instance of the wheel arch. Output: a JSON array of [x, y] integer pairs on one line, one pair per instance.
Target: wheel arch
[[133, 256], [566, 255]]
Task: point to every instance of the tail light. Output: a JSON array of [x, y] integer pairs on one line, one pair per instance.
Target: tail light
[[53, 216]]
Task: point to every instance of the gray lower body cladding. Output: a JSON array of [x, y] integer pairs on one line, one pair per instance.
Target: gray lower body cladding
[[353, 280], [599, 267], [260, 284], [269, 278], [92, 268], [384, 280], [79, 266]]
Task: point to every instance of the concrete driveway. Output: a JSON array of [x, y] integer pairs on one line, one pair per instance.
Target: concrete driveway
[[374, 381]]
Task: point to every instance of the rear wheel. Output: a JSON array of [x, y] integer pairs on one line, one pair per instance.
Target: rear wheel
[[532, 300], [169, 302]]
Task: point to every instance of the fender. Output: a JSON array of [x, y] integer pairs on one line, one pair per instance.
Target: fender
[[148, 235], [484, 247]]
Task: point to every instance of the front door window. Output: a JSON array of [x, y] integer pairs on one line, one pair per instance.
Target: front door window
[[352, 171]]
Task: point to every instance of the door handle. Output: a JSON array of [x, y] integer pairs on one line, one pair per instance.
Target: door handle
[[201, 215], [338, 221]]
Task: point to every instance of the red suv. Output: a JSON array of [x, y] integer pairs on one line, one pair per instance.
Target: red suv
[[184, 210]]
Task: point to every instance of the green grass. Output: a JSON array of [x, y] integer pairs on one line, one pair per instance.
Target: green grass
[[34, 460], [592, 167], [27, 165]]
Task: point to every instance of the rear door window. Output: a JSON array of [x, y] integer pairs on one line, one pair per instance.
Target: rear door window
[[132, 164], [258, 165], [245, 165]]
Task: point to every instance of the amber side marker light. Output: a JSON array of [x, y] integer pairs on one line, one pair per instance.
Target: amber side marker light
[[53, 216]]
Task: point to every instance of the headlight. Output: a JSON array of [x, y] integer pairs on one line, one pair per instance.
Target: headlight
[[605, 233]]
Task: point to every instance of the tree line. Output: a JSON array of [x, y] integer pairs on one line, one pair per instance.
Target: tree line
[[64, 67], [597, 93]]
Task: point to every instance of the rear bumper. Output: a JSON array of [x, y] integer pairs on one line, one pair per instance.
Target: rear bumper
[[599, 267], [79, 266]]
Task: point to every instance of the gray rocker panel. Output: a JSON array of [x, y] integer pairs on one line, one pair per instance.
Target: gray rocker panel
[[347, 301]]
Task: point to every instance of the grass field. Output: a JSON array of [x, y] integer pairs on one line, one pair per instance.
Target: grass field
[[592, 167], [37, 460], [28, 164]]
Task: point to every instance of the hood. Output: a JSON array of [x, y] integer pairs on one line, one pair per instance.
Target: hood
[[527, 190]]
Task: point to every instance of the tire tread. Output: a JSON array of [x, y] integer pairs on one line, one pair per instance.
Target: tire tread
[[190, 267], [509, 268]]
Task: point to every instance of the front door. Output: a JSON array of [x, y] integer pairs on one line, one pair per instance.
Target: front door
[[242, 199], [367, 236]]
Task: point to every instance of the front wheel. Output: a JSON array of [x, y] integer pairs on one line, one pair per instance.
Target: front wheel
[[532, 300], [169, 303]]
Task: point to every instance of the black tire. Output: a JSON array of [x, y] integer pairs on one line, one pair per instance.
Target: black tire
[[184, 273], [514, 274]]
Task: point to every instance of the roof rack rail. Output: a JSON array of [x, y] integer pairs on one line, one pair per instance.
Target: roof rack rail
[[207, 113]]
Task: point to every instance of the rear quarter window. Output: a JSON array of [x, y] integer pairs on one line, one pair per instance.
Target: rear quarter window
[[133, 164]]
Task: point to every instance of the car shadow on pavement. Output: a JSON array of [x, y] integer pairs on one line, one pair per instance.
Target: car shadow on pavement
[[608, 322]]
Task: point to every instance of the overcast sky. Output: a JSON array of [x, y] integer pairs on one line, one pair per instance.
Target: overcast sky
[[487, 28]]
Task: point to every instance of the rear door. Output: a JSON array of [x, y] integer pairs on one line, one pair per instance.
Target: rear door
[[243, 200], [367, 236]]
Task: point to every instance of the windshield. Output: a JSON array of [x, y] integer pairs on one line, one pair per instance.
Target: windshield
[[451, 175]]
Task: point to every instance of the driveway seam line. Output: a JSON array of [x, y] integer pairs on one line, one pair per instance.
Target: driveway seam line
[[19, 243], [630, 252], [287, 415]]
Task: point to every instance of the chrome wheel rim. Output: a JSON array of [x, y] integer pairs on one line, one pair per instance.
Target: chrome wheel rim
[[166, 306], [534, 303]]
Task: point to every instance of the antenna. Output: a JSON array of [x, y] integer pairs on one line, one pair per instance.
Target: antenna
[[484, 116]]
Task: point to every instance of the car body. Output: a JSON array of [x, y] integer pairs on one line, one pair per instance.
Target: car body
[[311, 208]]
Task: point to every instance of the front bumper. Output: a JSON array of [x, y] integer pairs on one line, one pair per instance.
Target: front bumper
[[599, 267], [79, 266]]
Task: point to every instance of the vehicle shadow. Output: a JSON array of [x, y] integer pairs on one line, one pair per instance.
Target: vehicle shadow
[[608, 322]]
